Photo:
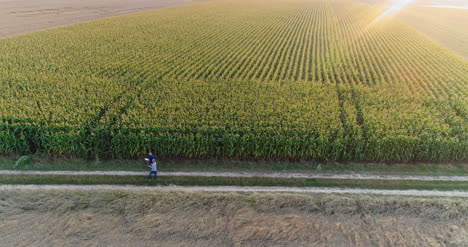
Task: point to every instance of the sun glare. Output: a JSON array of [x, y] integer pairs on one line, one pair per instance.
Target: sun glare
[[395, 6]]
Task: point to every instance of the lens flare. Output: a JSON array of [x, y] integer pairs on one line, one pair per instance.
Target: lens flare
[[395, 6]]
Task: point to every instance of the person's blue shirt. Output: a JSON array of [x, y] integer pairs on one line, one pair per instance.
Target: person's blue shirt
[[151, 158]]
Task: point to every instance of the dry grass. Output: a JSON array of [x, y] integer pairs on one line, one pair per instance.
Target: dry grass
[[228, 219]]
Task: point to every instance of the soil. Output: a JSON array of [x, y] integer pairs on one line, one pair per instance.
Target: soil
[[25, 16]]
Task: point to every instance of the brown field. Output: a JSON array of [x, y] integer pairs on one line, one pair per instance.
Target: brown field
[[115, 218], [445, 25], [444, 21], [24, 16]]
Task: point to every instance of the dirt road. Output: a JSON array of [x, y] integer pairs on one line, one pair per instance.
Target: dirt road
[[236, 189], [24, 16], [244, 174]]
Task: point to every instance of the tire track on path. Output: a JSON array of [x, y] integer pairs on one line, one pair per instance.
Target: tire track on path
[[242, 174], [235, 189]]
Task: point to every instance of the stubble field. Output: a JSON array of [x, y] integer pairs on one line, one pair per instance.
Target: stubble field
[[117, 218]]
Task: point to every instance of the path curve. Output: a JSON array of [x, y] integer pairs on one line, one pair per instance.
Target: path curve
[[243, 174], [236, 189]]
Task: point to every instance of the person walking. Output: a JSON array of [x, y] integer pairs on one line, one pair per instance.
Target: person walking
[[150, 158], [154, 170]]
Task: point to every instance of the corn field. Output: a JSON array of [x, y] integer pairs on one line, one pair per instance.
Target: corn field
[[277, 79]]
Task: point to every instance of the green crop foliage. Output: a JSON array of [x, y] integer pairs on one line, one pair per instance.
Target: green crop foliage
[[23, 160], [289, 80]]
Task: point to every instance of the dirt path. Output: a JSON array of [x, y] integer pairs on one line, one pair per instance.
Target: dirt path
[[25, 16], [245, 174], [237, 189]]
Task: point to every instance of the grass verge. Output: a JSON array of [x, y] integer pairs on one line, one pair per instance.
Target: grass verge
[[232, 181], [457, 169]]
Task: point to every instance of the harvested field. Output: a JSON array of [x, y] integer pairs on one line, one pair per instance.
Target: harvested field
[[447, 25], [44, 218], [23, 16], [443, 21]]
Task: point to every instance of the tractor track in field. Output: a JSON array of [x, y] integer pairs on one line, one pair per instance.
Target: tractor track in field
[[242, 174], [234, 189]]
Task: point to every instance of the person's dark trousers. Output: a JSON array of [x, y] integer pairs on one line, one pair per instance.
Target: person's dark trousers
[[155, 174]]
